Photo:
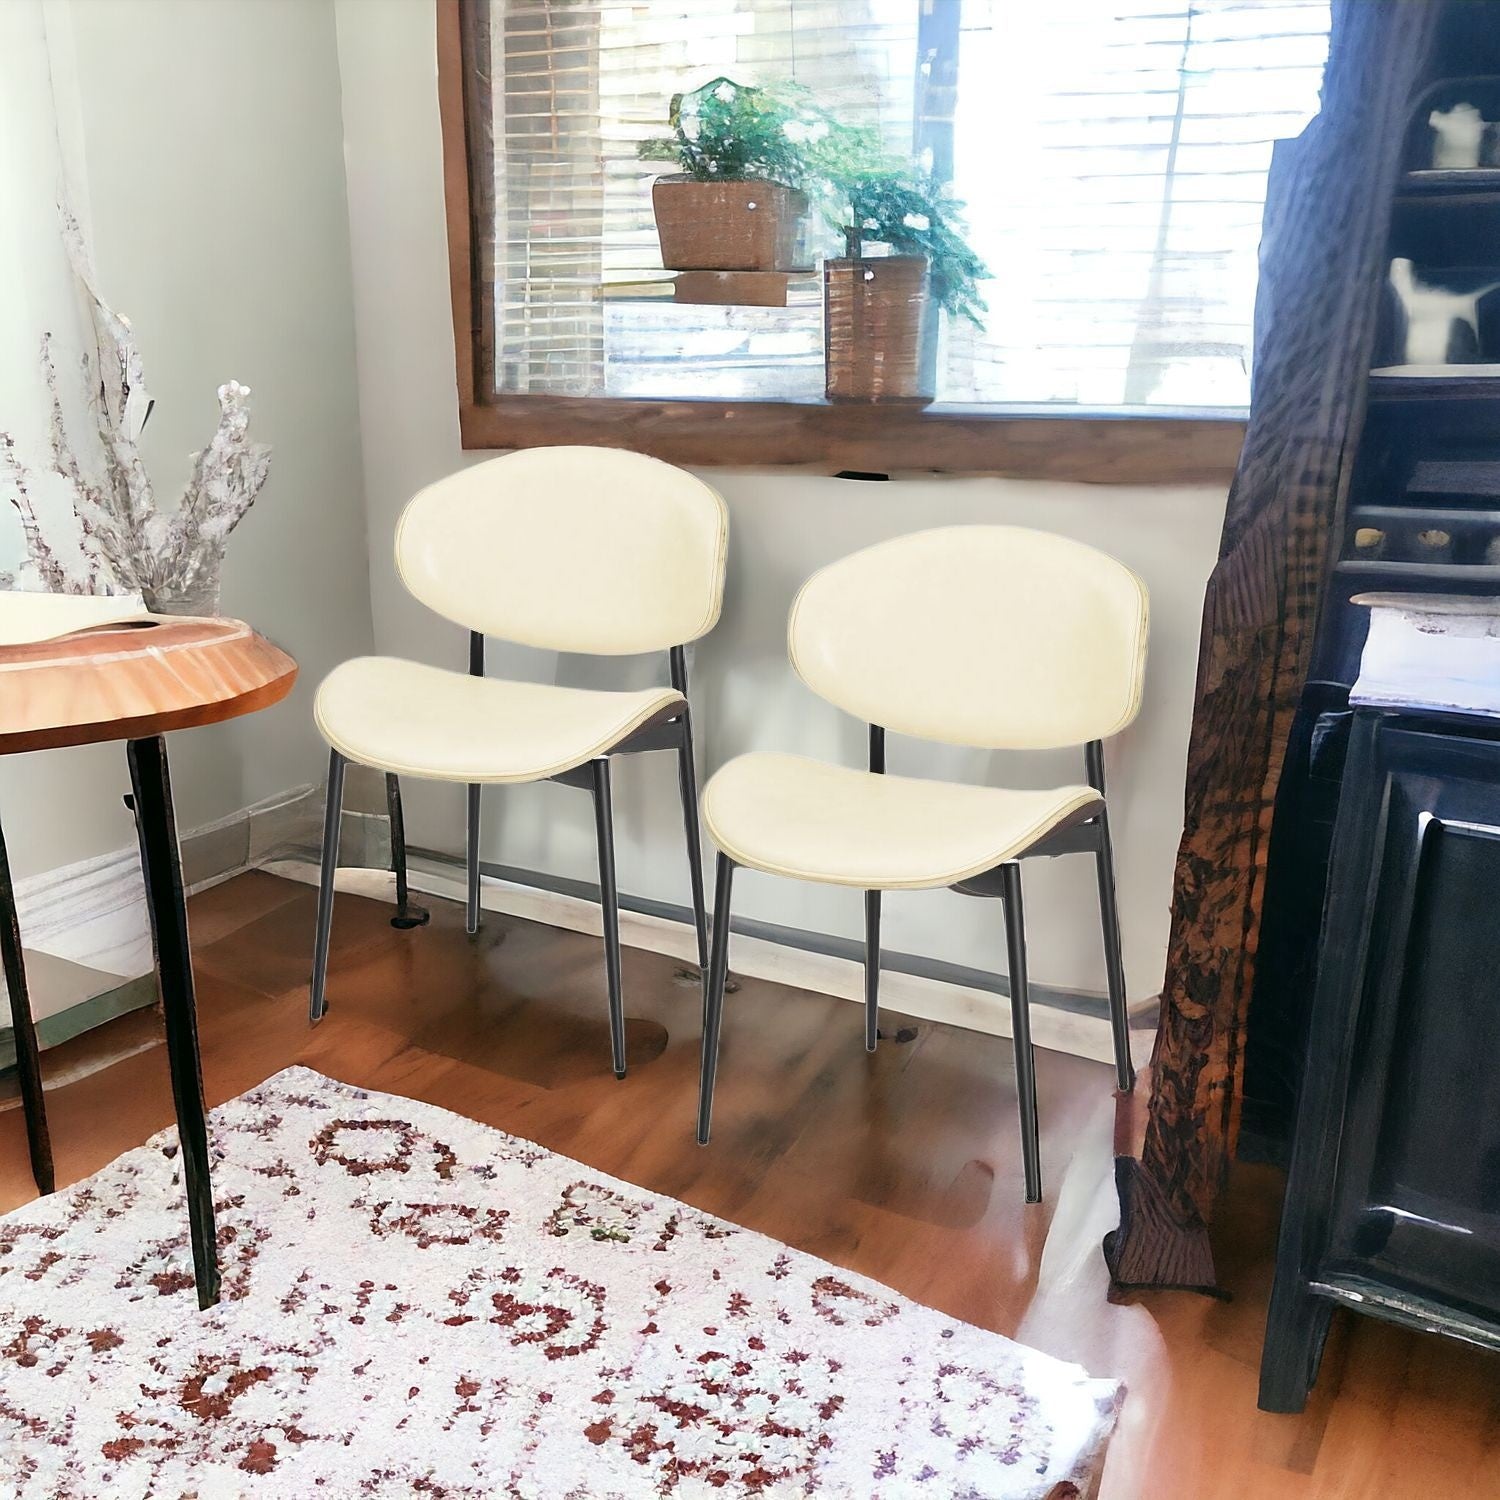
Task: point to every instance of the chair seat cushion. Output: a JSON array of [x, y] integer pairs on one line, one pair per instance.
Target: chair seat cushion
[[418, 720], [813, 821]]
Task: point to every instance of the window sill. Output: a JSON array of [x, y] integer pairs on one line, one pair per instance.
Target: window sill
[[1058, 443]]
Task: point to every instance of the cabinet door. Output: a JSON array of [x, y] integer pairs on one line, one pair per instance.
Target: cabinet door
[[1417, 1190]]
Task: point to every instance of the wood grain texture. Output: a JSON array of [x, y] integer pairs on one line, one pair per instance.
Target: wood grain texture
[[902, 1165], [461, 278], [874, 315], [731, 288], [1094, 449], [134, 680], [727, 225], [1327, 217]]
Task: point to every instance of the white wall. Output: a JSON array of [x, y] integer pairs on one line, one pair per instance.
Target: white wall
[[206, 151], [783, 526]]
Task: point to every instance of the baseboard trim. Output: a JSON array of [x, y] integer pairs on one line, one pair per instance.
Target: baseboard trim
[[84, 927], [1061, 1020]]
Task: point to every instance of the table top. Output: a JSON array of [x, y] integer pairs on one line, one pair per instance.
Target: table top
[[133, 678]]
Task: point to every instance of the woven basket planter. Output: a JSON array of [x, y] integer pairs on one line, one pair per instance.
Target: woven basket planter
[[874, 313], [727, 226]]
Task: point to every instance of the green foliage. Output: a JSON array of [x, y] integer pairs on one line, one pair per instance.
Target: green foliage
[[914, 214], [733, 131]]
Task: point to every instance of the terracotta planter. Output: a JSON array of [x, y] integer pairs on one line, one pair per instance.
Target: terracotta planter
[[874, 314], [727, 226]]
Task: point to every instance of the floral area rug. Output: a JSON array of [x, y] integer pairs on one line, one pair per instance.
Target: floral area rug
[[418, 1305]]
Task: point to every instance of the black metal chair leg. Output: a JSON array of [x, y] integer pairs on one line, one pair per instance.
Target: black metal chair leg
[[872, 969], [713, 994], [687, 781], [23, 1024], [1020, 1029], [687, 785], [1109, 919], [609, 906], [471, 910], [1114, 963], [161, 863], [333, 811], [408, 914], [471, 907]]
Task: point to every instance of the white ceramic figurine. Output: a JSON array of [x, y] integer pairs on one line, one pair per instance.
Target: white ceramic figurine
[[1431, 312], [1460, 131]]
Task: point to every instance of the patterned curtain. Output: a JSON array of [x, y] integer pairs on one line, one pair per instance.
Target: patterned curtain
[[1323, 260]]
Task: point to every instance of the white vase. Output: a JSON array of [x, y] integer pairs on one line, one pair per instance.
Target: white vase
[[200, 598]]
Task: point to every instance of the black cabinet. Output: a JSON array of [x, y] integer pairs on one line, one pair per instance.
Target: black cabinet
[[1419, 513], [1393, 1199]]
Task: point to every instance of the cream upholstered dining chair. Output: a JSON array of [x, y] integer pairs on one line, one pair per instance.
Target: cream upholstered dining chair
[[572, 549], [989, 636]]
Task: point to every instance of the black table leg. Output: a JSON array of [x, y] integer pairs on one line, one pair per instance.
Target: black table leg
[[161, 862], [28, 1059]]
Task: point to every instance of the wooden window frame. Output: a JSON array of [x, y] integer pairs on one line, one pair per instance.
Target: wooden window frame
[[1104, 447]]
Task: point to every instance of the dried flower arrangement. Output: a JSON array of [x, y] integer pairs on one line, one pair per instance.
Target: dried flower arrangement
[[172, 558]]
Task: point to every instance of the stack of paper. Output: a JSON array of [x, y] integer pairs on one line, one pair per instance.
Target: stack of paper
[[26, 617], [1430, 651]]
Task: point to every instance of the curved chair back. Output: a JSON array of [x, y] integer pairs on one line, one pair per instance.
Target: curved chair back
[[991, 636], [572, 549]]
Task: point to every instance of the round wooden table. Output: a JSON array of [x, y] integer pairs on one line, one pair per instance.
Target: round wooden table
[[135, 680]]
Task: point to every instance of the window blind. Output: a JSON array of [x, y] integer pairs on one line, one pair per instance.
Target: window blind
[[1112, 154], [1114, 162]]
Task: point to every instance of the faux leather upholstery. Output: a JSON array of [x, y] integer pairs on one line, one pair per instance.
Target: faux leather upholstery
[[990, 636], [418, 720], [572, 549], [813, 821]]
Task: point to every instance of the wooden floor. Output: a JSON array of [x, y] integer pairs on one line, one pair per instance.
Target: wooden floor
[[903, 1166]]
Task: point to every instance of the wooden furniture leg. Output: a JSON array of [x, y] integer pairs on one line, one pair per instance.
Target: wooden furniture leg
[[1296, 1329]]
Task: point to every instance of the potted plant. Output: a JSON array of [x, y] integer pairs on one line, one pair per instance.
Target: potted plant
[[876, 308], [738, 202]]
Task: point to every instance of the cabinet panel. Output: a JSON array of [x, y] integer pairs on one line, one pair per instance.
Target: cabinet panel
[[1393, 1200], [1418, 1197]]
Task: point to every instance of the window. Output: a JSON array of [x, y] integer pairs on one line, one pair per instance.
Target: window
[[1111, 157]]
